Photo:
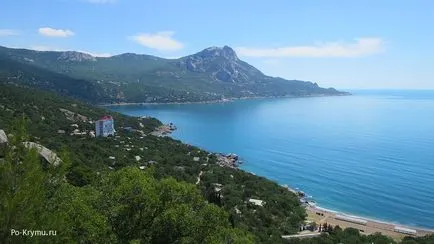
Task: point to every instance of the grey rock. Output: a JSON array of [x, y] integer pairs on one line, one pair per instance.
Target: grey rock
[[223, 65], [50, 156], [3, 137], [72, 56]]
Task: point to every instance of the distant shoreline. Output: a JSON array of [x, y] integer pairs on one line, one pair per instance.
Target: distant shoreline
[[219, 101]]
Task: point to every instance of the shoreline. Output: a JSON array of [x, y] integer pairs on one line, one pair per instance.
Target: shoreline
[[372, 219], [322, 215], [226, 100], [370, 226], [373, 225], [386, 227]]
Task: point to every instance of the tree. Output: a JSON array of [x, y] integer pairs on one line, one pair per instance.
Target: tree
[[324, 227], [329, 228], [313, 226], [21, 185], [163, 211]]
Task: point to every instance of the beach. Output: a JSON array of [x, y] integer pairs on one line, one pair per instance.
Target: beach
[[321, 216], [366, 226]]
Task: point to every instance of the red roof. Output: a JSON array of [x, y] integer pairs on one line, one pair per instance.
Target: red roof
[[106, 117]]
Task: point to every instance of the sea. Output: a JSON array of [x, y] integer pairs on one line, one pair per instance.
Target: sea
[[370, 154]]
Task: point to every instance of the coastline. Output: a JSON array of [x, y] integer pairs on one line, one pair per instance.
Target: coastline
[[373, 225], [322, 215], [225, 100]]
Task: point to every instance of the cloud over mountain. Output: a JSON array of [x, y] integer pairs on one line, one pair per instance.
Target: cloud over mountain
[[361, 47], [162, 41]]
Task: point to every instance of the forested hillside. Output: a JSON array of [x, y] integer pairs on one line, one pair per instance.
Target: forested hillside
[[164, 175], [213, 74], [134, 186]]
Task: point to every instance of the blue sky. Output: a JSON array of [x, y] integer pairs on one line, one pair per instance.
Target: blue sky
[[343, 44]]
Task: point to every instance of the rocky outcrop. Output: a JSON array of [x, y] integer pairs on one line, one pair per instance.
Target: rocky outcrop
[[73, 116], [3, 137], [72, 56], [230, 160], [50, 156], [164, 130], [222, 64]]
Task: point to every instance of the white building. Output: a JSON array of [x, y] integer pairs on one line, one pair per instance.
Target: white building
[[405, 230], [105, 126], [257, 202], [351, 219]]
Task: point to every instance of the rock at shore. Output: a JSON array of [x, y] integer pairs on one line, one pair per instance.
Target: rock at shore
[[164, 130], [230, 160]]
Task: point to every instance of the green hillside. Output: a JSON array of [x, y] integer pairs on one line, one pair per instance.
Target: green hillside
[[212, 74], [103, 193], [91, 166]]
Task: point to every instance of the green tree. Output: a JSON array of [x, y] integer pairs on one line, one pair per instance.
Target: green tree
[[21, 186], [163, 211], [82, 220]]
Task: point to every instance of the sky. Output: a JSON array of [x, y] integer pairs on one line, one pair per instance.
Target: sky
[[369, 44]]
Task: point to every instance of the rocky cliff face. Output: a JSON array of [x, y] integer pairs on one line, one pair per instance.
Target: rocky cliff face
[[72, 56], [222, 64]]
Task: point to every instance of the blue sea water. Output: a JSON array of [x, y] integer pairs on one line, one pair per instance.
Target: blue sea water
[[370, 154]]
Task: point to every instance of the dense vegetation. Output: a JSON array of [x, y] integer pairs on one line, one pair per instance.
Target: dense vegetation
[[166, 160], [125, 205], [212, 74], [14, 72], [99, 195]]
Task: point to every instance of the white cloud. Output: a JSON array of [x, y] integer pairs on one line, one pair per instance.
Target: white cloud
[[50, 32], [48, 48], [361, 47], [162, 41], [8, 32]]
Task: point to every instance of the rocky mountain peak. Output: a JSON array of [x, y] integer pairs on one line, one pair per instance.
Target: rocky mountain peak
[[222, 64], [213, 52], [73, 56]]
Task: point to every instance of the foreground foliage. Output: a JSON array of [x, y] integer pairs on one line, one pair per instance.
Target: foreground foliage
[[127, 205], [92, 158]]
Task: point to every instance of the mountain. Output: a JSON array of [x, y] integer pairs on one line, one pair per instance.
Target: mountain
[[222, 64], [14, 72], [212, 74]]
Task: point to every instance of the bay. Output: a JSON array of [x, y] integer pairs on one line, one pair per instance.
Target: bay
[[370, 154]]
